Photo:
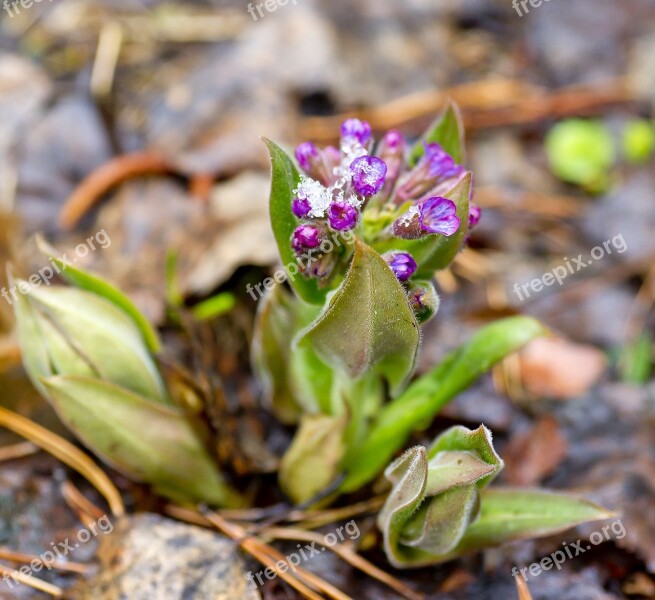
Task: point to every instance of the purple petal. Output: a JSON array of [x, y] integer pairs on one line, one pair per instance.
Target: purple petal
[[306, 153], [439, 215], [304, 237], [440, 164], [475, 214], [301, 207], [342, 216], [354, 130], [369, 174], [402, 264]]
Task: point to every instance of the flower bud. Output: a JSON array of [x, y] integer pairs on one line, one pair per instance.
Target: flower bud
[[392, 151], [67, 331], [435, 215], [354, 131], [305, 237], [342, 216], [369, 174], [402, 264], [424, 300], [436, 166]]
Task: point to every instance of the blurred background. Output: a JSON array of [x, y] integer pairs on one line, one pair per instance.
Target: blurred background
[[143, 119]]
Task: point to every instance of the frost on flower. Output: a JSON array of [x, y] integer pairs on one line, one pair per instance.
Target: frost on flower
[[318, 196]]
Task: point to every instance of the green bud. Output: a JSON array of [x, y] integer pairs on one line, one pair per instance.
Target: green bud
[[424, 300], [67, 331]]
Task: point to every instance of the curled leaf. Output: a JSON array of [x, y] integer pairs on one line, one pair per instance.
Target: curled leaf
[[435, 495]]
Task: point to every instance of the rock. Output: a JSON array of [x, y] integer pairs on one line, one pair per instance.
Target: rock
[[148, 557]]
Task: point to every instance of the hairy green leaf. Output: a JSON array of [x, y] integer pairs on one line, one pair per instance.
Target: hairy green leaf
[[285, 179], [367, 323], [145, 440], [509, 514]]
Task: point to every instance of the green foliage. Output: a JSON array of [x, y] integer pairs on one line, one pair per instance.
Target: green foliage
[[417, 406], [638, 141], [438, 508], [581, 152]]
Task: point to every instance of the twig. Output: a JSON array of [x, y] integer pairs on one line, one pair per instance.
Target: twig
[[109, 175], [79, 503], [23, 558], [66, 453], [522, 588], [270, 557], [31, 581], [488, 103], [347, 554], [19, 450]]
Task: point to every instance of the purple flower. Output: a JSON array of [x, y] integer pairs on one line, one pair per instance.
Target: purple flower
[[439, 163], [342, 216], [305, 237], [354, 130], [402, 264], [475, 213], [301, 207], [369, 174], [438, 215], [306, 155]]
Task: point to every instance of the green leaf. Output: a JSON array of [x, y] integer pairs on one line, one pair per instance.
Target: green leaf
[[214, 307], [285, 179], [144, 440], [312, 461], [636, 360], [293, 382], [419, 404], [448, 131], [638, 141], [435, 495], [582, 152], [93, 283], [368, 323], [509, 514]]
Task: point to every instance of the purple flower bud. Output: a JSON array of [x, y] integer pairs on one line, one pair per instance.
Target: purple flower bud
[[369, 174], [439, 163], [394, 140], [342, 216], [436, 168], [402, 264], [438, 215], [307, 154], [301, 207], [305, 237], [475, 213], [354, 130], [392, 151]]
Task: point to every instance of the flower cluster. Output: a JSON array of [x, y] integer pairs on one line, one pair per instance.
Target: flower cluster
[[337, 186]]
